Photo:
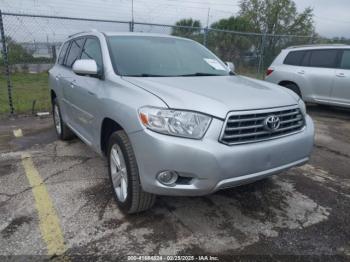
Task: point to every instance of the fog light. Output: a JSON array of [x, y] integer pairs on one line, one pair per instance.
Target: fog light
[[167, 177]]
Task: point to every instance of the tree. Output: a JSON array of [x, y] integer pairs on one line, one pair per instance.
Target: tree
[[187, 28], [16, 52], [334, 40], [278, 17], [230, 46]]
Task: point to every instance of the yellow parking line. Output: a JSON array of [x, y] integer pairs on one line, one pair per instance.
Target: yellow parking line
[[18, 132], [48, 220]]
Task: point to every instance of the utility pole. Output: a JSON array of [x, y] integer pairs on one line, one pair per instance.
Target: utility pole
[[208, 17], [262, 52], [48, 45], [132, 17], [206, 29]]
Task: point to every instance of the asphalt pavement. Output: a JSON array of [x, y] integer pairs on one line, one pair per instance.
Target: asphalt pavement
[[56, 201]]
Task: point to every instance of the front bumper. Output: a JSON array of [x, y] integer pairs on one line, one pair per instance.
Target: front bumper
[[212, 165]]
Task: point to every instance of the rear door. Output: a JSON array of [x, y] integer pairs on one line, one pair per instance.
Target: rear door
[[58, 75], [320, 72], [341, 86]]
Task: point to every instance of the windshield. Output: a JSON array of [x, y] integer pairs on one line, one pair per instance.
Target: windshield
[[144, 56]]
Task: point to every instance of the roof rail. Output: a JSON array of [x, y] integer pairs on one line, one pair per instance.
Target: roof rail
[[314, 45], [82, 32]]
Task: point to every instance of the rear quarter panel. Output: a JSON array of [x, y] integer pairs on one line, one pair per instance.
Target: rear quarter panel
[[282, 72]]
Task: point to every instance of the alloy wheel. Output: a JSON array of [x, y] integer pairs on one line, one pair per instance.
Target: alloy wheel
[[57, 119], [119, 173]]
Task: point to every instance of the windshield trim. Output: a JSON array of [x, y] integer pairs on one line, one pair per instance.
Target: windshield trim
[[115, 68]]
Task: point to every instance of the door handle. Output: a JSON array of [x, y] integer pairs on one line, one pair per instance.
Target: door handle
[[301, 72], [91, 93], [72, 84], [340, 75], [58, 77]]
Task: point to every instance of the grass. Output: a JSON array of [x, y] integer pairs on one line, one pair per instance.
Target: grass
[[26, 88]]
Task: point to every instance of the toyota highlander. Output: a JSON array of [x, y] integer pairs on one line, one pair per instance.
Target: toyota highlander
[[171, 117], [317, 73]]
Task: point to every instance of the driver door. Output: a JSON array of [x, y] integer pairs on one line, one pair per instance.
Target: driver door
[[67, 80], [86, 91]]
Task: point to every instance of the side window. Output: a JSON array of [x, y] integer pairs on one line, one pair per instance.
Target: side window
[[74, 51], [345, 61], [294, 58], [306, 59], [62, 53], [323, 58], [92, 50]]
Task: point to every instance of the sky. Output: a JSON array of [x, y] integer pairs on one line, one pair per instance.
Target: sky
[[332, 18]]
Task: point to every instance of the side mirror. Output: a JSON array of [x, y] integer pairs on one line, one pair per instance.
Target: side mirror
[[85, 67], [230, 66]]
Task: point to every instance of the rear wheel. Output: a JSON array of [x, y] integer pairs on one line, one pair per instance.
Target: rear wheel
[[292, 87], [124, 176], [62, 130]]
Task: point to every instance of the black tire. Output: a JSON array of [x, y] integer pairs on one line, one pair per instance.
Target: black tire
[[66, 133], [293, 87], [136, 200]]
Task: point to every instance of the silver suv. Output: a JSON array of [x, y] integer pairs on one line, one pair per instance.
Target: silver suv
[[172, 118], [318, 74]]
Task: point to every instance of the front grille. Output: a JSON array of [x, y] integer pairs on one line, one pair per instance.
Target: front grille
[[249, 127]]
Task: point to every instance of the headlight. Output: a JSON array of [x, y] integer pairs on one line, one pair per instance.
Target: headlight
[[174, 122], [302, 106]]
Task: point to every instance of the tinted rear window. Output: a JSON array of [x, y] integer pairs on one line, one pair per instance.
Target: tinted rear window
[[294, 58], [306, 59], [345, 61], [323, 58]]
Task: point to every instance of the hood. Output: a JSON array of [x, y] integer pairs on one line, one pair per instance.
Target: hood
[[215, 95]]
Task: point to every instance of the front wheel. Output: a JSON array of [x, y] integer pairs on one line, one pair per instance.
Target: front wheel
[[124, 176]]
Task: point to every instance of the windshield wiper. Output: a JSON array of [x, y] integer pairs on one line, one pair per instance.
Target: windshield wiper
[[147, 75], [185, 75], [202, 74]]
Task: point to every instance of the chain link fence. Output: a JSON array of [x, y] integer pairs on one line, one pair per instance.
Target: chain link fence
[[30, 44]]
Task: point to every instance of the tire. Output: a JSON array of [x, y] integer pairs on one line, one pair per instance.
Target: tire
[[294, 88], [135, 200], [63, 132]]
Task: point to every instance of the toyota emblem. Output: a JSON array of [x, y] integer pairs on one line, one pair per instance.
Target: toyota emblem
[[272, 123]]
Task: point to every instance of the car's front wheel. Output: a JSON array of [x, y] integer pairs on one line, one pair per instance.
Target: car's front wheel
[[124, 176]]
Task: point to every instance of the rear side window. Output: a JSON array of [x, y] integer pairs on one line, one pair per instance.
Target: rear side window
[[74, 51], [294, 58], [323, 58], [306, 59], [62, 53], [345, 61]]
